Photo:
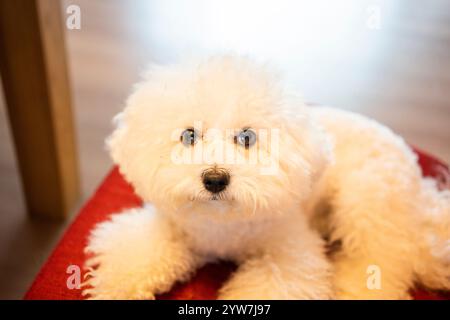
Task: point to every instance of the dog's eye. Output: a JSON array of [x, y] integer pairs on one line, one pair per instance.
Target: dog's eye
[[189, 137], [246, 138]]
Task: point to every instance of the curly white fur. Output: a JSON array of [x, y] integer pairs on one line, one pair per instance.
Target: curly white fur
[[350, 177]]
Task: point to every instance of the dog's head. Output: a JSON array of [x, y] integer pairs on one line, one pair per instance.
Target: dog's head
[[219, 138]]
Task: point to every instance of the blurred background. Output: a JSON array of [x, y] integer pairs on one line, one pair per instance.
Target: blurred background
[[387, 59]]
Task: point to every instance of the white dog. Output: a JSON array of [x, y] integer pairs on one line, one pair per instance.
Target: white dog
[[187, 141]]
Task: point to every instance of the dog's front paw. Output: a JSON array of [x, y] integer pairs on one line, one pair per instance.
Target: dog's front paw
[[98, 287], [274, 291], [264, 279], [135, 256]]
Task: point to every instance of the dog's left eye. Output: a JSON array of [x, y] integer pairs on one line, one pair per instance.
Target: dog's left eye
[[189, 137], [246, 138]]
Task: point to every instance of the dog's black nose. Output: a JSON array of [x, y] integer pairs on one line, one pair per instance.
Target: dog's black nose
[[215, 179]]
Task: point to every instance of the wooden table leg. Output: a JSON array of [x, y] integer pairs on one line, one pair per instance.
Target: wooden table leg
[[35, 81]]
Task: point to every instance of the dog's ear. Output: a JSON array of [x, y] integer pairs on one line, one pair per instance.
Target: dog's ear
[[310, 140], [115, 143], [126, 152]]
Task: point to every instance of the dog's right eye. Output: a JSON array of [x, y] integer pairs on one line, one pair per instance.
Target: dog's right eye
[[189, 137]]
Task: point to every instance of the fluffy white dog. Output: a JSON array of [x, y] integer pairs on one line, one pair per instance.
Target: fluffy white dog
[[232, 167]]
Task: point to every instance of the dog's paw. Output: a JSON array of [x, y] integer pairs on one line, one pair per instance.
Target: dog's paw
[[262, 279], [95, 289], [245, 295], [135, 255]]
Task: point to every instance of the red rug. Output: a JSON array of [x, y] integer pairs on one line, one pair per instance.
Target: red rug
[[115, 195]]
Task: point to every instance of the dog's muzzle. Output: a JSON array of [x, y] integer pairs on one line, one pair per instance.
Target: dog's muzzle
[[215, 180]]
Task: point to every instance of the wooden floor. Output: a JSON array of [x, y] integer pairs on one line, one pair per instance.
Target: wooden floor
[[399, 74]]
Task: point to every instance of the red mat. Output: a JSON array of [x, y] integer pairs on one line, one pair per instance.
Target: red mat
[[115, 195]]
